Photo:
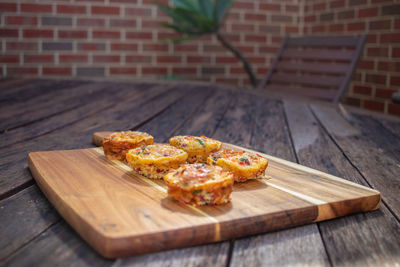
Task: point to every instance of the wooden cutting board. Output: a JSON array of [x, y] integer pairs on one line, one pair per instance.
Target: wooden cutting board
[[120, 213]]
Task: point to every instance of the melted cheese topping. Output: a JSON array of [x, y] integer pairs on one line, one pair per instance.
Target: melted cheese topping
[[156, 154], [240, 158], [129, 136], [196, 175], [195, 143]]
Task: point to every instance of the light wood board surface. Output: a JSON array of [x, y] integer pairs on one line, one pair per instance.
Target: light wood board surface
[[120, 213]]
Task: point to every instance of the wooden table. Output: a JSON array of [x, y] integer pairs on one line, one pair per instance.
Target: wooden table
[[48, 114]]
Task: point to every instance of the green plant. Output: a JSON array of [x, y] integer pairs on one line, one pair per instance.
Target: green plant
[[194, 18]]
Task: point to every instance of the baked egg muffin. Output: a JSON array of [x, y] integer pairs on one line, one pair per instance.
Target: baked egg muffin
[[200, 184], [198, 148], [117, 144], [243, 165], [154, 161]]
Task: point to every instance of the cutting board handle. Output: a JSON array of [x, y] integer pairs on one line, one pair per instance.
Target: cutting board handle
[[97, 138]]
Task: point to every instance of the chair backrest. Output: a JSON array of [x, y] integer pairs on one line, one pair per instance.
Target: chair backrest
[[314, 66]]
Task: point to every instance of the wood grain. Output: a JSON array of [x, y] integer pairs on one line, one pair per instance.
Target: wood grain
[[350, 238], [100, 210]]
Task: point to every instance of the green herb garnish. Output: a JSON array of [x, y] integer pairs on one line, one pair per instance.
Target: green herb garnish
[[242, 159], [200, 141], [194, 192]]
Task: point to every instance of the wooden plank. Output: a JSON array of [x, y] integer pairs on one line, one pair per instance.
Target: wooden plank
[[325, 41], [304, 91], [58, 246], [329, 68], [77, 135], [371, 238], [372, 156], [85, 251], [315, 80], [299, 246], [100, 101], [46, 105], [318, 54], [24, 216]]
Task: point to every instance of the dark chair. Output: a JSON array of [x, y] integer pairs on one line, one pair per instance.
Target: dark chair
[[314, 66]]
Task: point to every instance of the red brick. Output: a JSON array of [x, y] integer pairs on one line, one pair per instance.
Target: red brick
[[154, 71], [21, 20], [255, 17], [106, 34], [72, 34], [380, 25], [123, 71], [198, 59], [169, 59], [123, 47], [352, 101], [270, 7], [378, 51], [35, 33], [73, 58], [292, 8], [152, 24], [125, 1], [374, 105], [256, 60], [268, 49], [396, 52], [348, 14], [185, 48], [232, 81], [336, 27], [22, 71], [22, 46], [38, 58], [105, 10], [384, 93], [319, 6], [139, 35], [8, 33], [122, 23], [59, 71], [151, 2], [106, 59], [394, 109], [223, 60], [389, 66], [395, 80], [255, 38], [90, 22], [281, 18], [390, 38], [243, 5], [310, 18], [138, 11], [291, 29], [137, 59], [237, 70], [243, 27], [9, 58], [66, 9], [337, 3], [8, 7], [368, 12], [166, 35], [366, 65], [356, 26], [245, 48], [371, 38], [155, 47], [363, 90], [375, 78], [184, 70], [276, 39], [91, 46], [36, 8], [318, 28]]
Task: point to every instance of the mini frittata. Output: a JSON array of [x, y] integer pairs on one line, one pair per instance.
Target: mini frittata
[[243, 165], [197, 147], [200, 184], [117, 144], [154, 161]]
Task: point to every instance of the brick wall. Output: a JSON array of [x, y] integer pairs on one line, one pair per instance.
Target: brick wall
[[123, 38], [378, 72]]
